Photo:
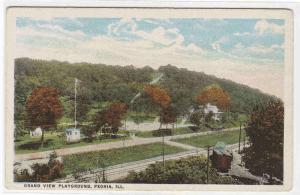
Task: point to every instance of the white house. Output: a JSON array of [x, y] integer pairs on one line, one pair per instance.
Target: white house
[[73, 135], [214, 109], [37, 132]]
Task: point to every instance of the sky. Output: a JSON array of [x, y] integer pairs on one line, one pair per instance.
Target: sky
[[247, 51]]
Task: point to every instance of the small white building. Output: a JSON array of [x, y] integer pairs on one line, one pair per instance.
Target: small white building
[[73, 135], [213, 109], [37, 132]]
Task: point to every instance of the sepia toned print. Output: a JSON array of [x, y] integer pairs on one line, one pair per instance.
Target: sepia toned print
[[110, 98]]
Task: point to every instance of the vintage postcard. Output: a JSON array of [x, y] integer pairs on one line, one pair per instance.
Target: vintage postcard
[[149, 99]]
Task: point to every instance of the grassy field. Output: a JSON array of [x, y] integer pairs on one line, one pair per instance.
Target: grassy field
[[229, 137], [176, 131], [27, 144], [233, 121], [140, 116], [92, 160], [228, 124]]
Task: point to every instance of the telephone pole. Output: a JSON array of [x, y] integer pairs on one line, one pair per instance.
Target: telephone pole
[[75, 104], [244, 143], [240, 137], [207, 166], [163, 146], [244, 139]]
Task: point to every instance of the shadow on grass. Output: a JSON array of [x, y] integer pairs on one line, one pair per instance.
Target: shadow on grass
[[102, 137], [194, 128], [34, 145], [18, 140], [61, 143]]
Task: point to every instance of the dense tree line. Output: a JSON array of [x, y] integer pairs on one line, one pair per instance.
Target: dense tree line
[[104, 83], [266, 133], [184, 86]]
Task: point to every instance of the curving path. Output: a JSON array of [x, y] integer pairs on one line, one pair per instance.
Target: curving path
[[111, 145]]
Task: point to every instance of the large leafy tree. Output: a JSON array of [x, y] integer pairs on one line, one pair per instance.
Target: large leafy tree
[[109, 119], [158, 95], [163, 100], [43, 109], [168, 115], [113, 116], [266, 131], [137, 119], [196, 117], [214, 95], [98, 121]]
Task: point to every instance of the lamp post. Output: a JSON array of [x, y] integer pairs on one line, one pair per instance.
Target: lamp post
[[240, 137]]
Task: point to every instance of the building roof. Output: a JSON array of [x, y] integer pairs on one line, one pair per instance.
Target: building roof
[[72, 129], [220, 148], [38, 129], [211, 108]]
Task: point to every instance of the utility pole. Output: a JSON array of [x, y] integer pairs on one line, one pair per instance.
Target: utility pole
[[125, 124], [240, 137], [103, 175], [207, 166], [163, 146], [244, 139], [244, 144], [75, 105], [203, 119], [123, 140]]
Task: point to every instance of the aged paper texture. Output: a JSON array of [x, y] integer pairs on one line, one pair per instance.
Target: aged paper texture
[[149, 99]]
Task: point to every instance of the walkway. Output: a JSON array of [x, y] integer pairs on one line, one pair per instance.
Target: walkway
[[110, 145], [240, 171]]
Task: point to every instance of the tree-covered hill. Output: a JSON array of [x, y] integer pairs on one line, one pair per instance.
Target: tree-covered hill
[[185, 85], [101, 84]]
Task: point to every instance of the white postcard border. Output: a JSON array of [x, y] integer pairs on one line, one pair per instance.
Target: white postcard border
[[116, 12]]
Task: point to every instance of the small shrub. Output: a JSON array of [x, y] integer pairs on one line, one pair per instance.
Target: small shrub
[[89, 132], [41, 172], [191, 170], [23, 175], [34, 145], [194, 128], [161, 132]]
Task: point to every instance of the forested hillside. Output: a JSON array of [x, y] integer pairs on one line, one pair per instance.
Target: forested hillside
[[102, 84]]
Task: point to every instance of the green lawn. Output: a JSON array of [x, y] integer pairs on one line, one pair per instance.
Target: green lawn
[[226, 125], [233, 121], [229, 137], [92, 160], [27, 144], [176, 131], [142, 117]]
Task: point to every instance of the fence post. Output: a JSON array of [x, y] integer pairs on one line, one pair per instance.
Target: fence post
[[240, 137], [103, 175], [207, 171]]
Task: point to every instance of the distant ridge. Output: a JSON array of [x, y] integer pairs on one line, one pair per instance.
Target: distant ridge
[[106, 83]]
